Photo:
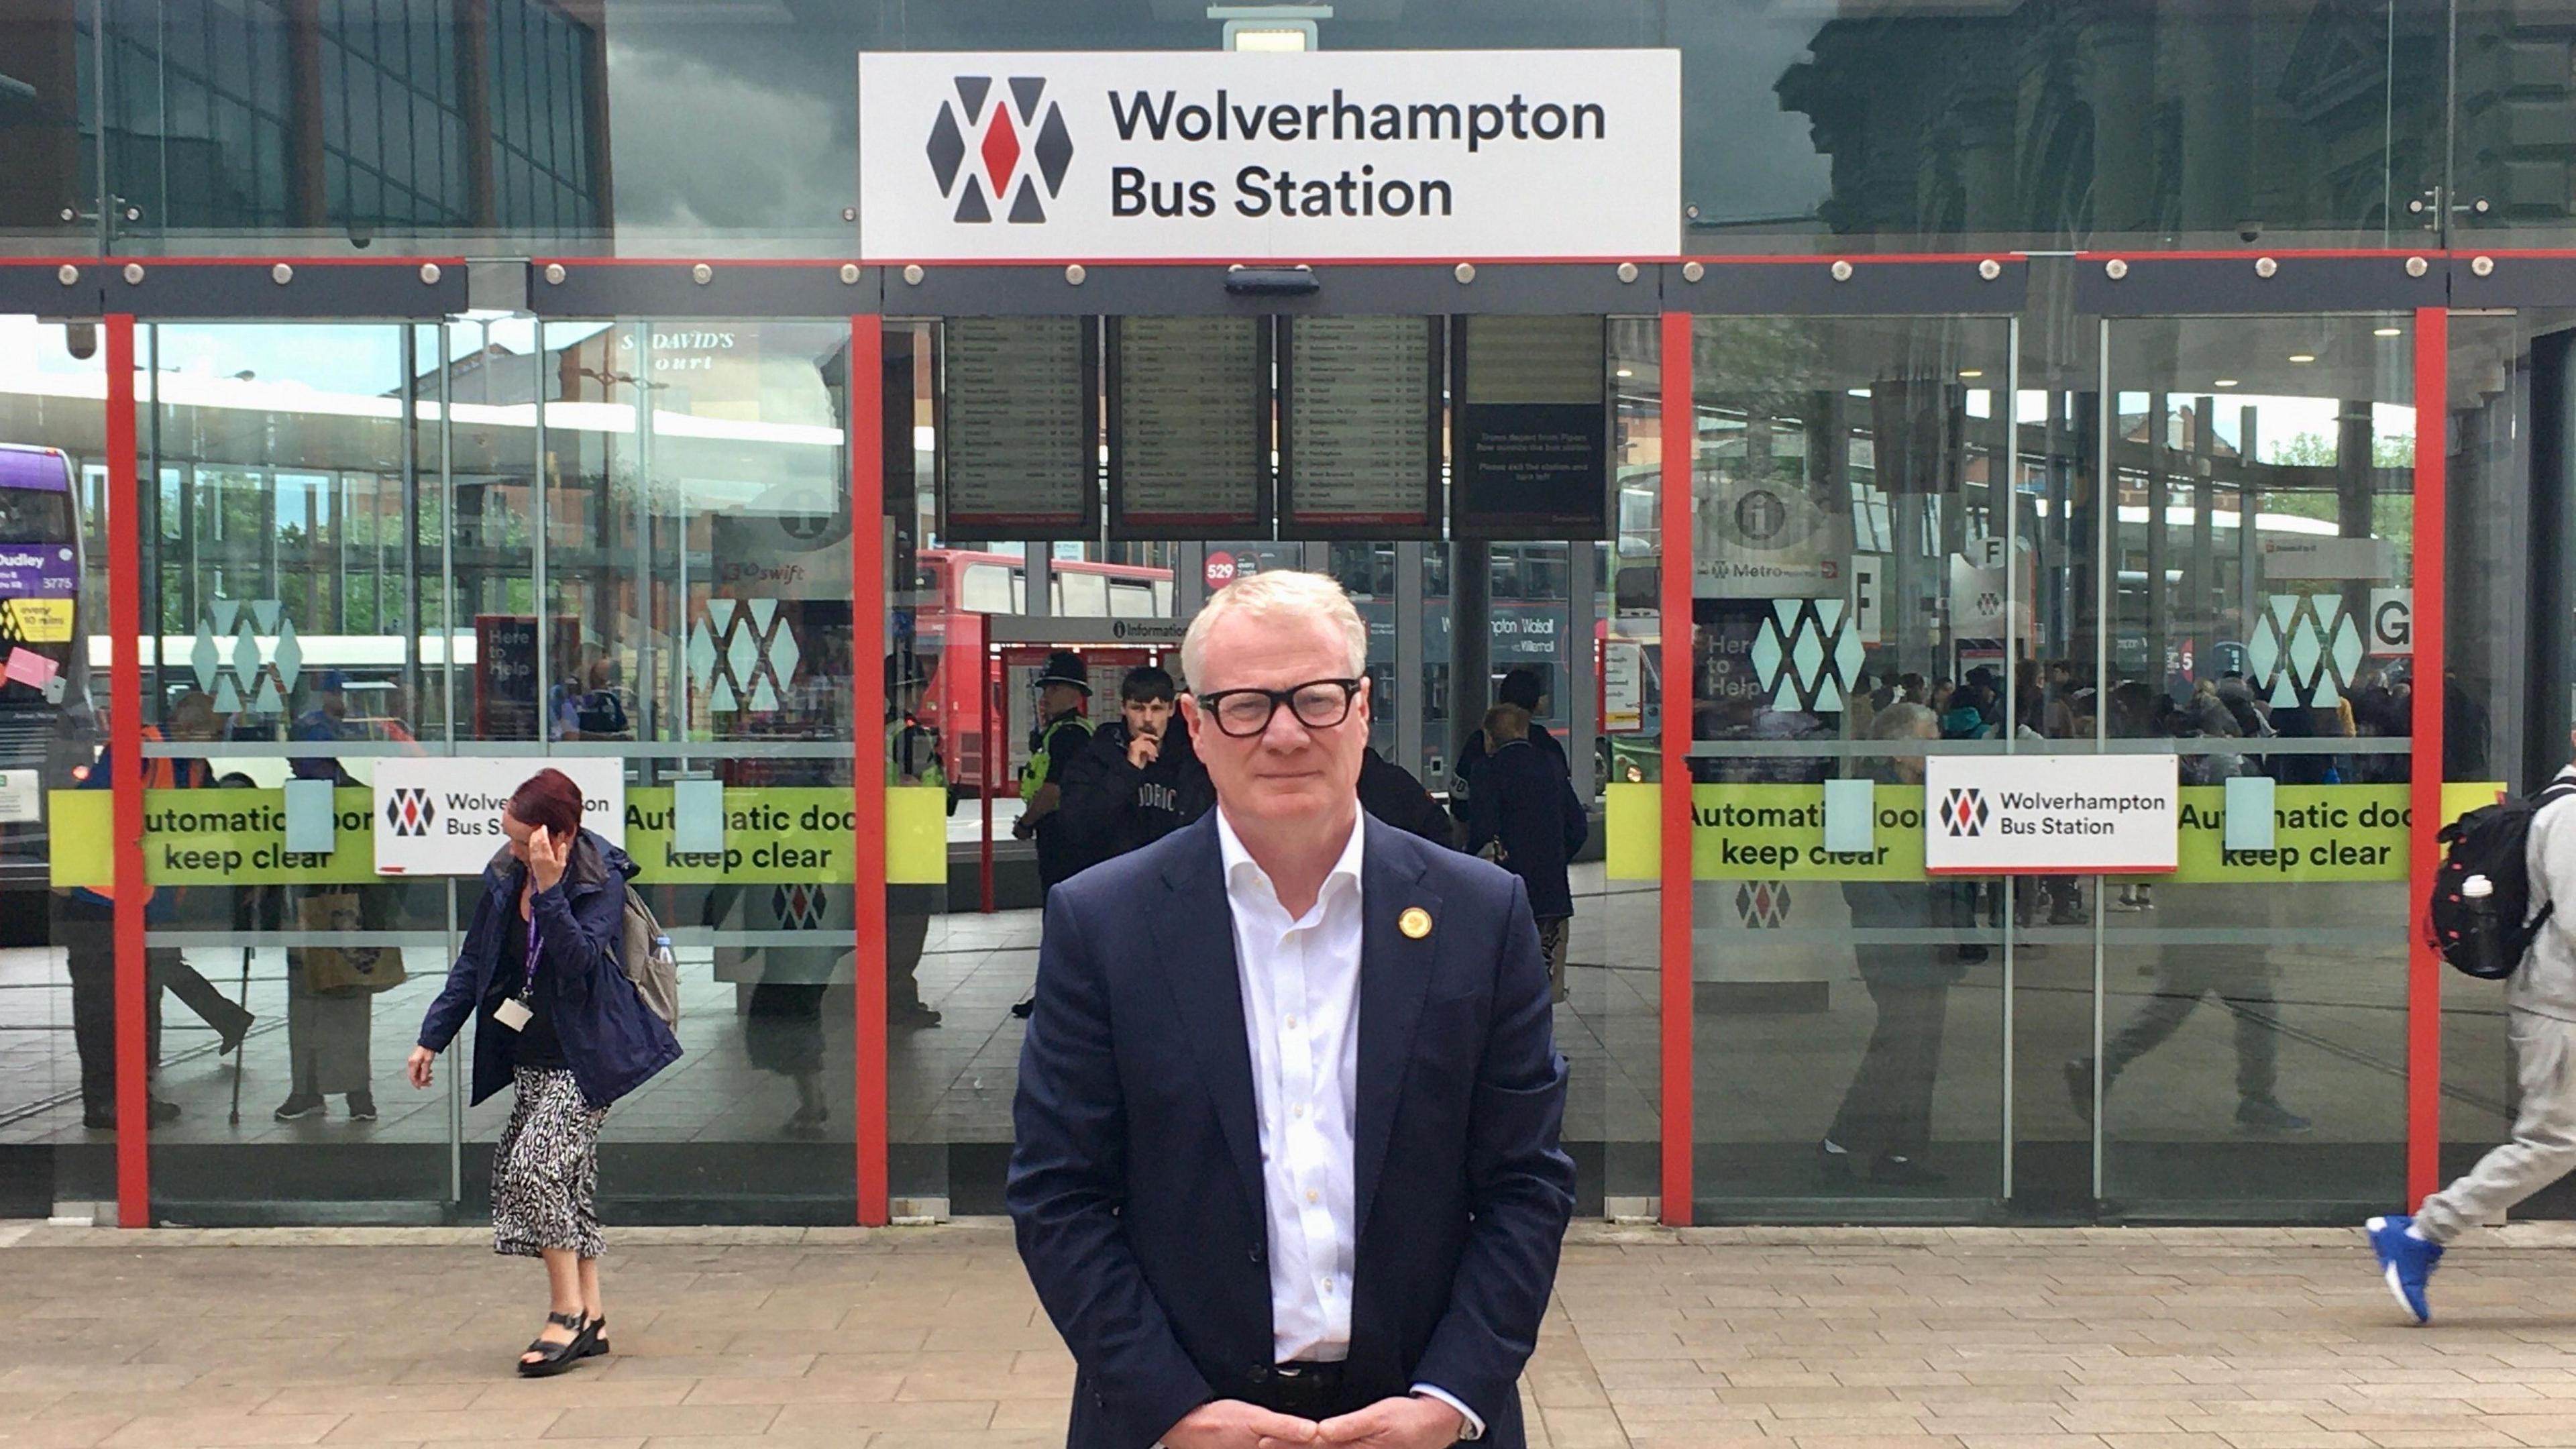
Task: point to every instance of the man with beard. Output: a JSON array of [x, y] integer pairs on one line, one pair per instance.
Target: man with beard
[[1138, 780]]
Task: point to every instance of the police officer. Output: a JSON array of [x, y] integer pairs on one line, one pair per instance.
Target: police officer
[[912, 759], [1061, 733], [1064, 692]]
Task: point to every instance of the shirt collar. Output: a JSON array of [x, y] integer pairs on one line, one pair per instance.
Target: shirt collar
[[1241, 868]]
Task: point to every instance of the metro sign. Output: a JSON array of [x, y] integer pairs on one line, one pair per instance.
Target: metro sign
[[1001, 149]]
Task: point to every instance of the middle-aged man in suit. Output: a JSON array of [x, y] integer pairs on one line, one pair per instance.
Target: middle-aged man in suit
[[1287, 1167]]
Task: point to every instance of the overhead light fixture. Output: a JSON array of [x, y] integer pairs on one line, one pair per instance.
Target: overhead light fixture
[[1972, 372], [2226, 382], [1627, 372], [2303, 357], [2387, 331], [1282, 28], [1857, 391]]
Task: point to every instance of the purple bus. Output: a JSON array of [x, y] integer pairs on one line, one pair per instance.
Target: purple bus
[[46, 723]]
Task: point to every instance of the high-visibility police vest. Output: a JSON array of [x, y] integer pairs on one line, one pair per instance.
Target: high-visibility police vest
[[1033, 775], [912, 748]]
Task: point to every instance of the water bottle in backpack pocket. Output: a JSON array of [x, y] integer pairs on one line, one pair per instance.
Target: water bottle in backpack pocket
[[2480, 917]]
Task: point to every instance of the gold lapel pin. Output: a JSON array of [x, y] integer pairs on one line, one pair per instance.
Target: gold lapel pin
[[1415, 923]]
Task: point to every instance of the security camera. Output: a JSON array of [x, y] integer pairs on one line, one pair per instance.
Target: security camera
[[2248, 233], [361, 235], [80, 339]]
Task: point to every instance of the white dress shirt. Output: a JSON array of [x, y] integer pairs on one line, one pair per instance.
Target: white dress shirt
[[1300, 981]]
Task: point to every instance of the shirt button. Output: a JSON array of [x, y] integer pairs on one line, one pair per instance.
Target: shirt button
[[1292, 1023], [1313, 1196], [1299, 1111]]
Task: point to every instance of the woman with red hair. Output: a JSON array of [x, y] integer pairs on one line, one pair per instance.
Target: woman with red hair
[[543, 974]]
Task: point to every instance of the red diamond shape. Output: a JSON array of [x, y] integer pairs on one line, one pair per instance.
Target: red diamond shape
[[1001, 150]]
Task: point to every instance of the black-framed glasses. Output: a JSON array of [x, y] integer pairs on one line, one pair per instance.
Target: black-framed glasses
[[1318, 704]]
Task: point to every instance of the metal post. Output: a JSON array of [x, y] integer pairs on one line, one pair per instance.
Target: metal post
[[1037, 573], [537, 526], [1413, 697], [2106, 511], [645, 662], [1581, 695], [1471, 641], [2005, 493]]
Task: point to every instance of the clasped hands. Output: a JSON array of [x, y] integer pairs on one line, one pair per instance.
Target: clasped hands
[[1406, 1423]]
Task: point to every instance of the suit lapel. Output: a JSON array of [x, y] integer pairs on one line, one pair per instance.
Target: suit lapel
[[1194, 931], [1395, 973]]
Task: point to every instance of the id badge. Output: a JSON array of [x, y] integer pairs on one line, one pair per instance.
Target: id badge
[[512, 1013]]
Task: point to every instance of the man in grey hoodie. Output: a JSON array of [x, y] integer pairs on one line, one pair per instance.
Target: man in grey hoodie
[[2540, 1004]]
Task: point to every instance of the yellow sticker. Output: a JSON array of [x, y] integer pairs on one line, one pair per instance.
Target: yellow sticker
[[36, 621], [1415, 922], [1777, 832]]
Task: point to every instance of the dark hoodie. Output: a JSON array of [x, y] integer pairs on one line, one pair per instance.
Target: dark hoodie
[[1111, 807], [610, 1039]]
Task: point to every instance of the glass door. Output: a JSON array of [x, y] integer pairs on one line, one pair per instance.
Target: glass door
[[1850, 620]]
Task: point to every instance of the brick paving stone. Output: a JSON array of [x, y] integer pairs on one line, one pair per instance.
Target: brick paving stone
[[930, 1339]]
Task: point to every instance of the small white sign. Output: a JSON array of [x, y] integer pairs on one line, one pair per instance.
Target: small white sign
[[2392, 621], [2321, 556], [22, 800], [1623, 687], [2050, 814], [1868, 576], [1249, 156], [441, 815]]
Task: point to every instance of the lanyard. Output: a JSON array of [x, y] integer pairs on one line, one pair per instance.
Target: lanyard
[[528, 981]]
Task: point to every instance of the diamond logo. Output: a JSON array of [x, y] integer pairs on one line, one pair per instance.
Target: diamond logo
[[742, 655], [1964, 813], [410, 812], [1763, 905], [1010, 154], [2306, 650], [1806, 654]]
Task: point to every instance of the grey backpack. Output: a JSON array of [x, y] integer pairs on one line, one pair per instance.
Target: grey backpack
[[648, 961]]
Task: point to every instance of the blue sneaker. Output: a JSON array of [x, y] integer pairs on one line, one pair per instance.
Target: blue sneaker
[[2406, 1262]]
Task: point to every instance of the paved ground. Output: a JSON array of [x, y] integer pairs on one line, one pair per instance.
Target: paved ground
[[929, 1339]]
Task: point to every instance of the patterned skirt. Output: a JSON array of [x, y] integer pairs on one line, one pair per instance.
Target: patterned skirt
[[545, 1174]]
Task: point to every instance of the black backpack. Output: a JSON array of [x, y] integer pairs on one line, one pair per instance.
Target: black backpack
[[2486, 935]]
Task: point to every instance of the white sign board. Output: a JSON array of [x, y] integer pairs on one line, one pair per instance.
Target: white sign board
[[1245, 156], [441, 815], [2392, 621], [2050, 814], [2318, 556]]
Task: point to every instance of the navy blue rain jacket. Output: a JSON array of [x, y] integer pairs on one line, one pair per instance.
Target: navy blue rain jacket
[[612, 1040]]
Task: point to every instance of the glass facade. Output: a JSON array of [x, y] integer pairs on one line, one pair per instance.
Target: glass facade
[[2041, 518]]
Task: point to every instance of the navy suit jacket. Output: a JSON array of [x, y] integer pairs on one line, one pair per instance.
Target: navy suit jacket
[[1135, 1180]]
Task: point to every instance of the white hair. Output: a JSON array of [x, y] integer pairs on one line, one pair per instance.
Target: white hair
[[1272, 594]]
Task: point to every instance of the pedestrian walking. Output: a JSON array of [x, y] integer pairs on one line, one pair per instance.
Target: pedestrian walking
[[1368, 1017], [1524, 818], [1526, 687], [543, 974], [2540, 1019]]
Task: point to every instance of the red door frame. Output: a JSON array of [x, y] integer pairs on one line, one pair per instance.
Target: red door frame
[[125, 725], [867, 403], [2424, 792], [1673, 527]]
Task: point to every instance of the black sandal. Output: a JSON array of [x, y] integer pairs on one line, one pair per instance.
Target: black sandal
[[553, 1358], [598, 1337]]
